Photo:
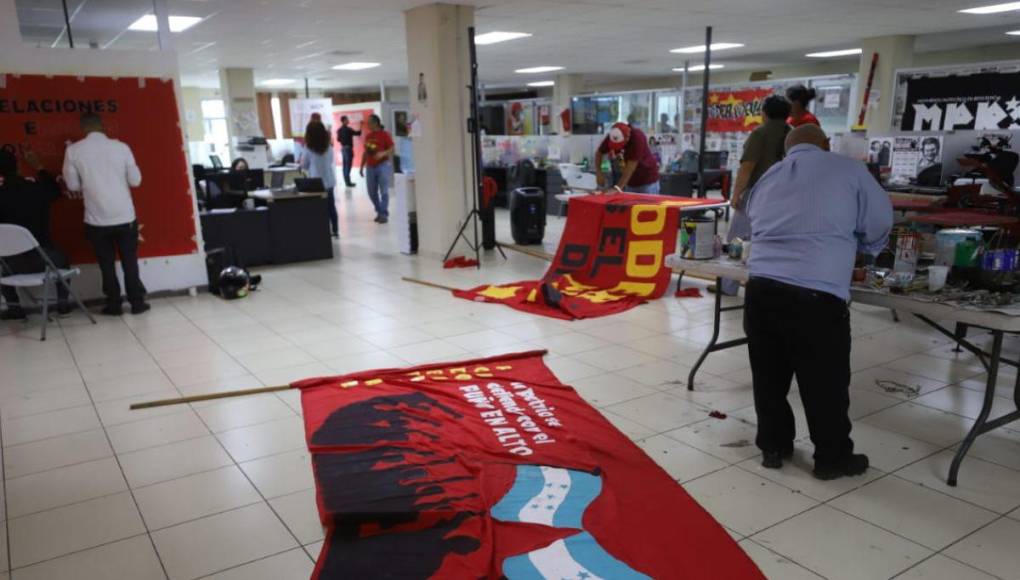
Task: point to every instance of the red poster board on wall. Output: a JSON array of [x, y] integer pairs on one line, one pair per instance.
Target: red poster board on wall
[[43, 113], [736, 111]]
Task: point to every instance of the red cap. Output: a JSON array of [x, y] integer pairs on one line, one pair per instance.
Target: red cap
[[618, 136]]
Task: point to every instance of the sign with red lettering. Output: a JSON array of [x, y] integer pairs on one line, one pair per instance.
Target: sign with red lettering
[[736, 111], [492, 468], [43, 113], [610, 259]]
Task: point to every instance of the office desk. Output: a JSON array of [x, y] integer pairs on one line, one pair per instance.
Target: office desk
[[293, 227], [998, 323]]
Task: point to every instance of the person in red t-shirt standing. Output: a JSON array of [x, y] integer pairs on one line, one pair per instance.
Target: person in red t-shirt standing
[[378, 156], [800, 97], [640, 173]]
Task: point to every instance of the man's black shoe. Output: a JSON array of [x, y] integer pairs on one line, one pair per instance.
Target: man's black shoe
[[112, 310], [774, 459], [854, 465], [384, 220], [13, 313], [140, 308]]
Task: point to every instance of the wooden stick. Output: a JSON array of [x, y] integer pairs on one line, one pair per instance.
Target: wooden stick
[[207, 397], [429, 284], [528, 252]]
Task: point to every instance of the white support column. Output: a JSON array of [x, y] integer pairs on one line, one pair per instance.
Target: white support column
[[237, 85], [894, 52], [566, 87], [438, 72]]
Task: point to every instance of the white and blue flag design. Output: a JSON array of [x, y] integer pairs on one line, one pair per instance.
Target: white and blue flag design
[[551, 496], [558, 497], [579, 557]]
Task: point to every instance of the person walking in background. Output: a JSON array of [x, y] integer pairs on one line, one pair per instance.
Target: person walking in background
[[378, 156], [317, 161], [26, 202], [345, 136], [104, 171], [800, 97], [763, 149], [810, 216]]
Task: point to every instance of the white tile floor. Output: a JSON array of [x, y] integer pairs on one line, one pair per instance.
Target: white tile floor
[[224, 489]]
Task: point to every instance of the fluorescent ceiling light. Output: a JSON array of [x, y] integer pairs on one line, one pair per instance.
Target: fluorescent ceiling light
[[834, 53], [993, 9], [356, 66], [1014, 33], [701, 48], [147, 23], [538, 69], [542, 84], [278, 82], [494, 37], [700, 67]]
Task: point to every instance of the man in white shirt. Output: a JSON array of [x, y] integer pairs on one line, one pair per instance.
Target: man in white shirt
[[104, 171]]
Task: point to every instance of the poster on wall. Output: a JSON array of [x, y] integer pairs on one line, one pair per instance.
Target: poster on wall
[[43, 113], [917, 160], [401, 123], [981, 100], [736, 111], [301, 111], [521, 120], [880, 151]]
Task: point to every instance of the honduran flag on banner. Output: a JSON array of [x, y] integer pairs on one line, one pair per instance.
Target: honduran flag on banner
[[492, 468], [610, 259]]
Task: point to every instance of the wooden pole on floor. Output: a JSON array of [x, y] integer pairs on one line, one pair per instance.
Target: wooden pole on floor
[[528, 252], [429, 284], [208, 397]]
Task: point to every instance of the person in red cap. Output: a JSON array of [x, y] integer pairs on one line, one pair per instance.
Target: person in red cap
[[640, 172]]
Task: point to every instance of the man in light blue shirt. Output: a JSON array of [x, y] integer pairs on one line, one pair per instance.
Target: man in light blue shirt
[[810, 215]]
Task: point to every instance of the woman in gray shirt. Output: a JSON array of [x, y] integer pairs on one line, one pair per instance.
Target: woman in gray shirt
[[317, 161]]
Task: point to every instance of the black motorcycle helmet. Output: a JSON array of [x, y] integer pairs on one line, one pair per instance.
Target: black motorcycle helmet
[[234, 283]]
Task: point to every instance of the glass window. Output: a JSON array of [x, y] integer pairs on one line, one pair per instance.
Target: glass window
[[41, 23], [636, 109], [213, 109], [277, 117], [833, 104], [667, 112]]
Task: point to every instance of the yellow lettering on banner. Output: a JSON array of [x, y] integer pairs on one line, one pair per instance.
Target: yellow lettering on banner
[[644, 248], [417, 379], [499, 293], [634, 288], [349, 384], [503, 367], [647, 228], [533, 295], [458, 370], [373, 382], [484, 375], [481, 369], [601, 296], [463, 377]]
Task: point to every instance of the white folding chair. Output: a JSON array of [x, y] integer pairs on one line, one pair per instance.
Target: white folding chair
[[16, 240]]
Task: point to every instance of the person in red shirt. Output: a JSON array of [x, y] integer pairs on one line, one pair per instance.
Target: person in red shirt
[[378, 156], [800, 97], [640, 172]]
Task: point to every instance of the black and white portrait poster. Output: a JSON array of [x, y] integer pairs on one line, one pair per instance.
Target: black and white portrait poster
[[986, 100], [916, 159]]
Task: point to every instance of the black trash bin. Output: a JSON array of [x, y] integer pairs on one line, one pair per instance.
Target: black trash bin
[[527, 215]]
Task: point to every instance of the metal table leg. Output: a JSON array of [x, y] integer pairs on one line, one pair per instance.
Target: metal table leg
[[714, 344], [980, 426]]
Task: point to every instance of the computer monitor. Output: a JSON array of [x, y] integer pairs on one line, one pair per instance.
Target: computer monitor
[[246, 181], [217, 163], [276, 181], [309, 184]]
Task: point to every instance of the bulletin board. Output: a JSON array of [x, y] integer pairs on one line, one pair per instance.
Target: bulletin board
[[43, 113]]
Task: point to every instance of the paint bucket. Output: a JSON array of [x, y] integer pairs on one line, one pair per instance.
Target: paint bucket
[[699, 238], [946, 242]]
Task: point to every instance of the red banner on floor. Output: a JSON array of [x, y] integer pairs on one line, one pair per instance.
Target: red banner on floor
[[492, 468], [736, 111], [610, 259]]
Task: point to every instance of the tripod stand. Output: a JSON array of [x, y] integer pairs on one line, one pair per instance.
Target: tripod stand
[[473, 127]]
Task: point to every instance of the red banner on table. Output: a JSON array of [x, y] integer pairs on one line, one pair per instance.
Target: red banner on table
[[610, 259], [736, 111], [492, 468], [43, 113]]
